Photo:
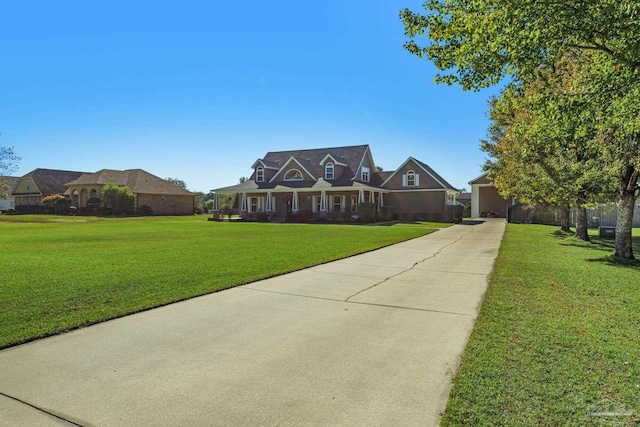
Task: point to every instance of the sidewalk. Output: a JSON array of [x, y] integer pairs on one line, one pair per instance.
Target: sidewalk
[[369, 340]]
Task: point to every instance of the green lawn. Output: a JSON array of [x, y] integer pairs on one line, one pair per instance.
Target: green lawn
[[60, 273], [557, 341]]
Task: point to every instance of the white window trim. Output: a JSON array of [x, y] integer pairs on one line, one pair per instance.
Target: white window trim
[[259, 174], [365, 174], [329, 175], [293, 171]]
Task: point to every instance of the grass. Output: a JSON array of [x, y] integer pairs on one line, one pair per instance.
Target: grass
[[61, 273], [557, 340]]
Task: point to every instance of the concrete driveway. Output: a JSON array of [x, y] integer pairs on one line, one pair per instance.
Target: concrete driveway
[[374, 339]]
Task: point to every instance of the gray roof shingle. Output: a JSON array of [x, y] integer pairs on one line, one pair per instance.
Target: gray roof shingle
[[140, 181]]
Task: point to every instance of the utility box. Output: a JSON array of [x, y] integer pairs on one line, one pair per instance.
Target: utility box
[[607, 232]]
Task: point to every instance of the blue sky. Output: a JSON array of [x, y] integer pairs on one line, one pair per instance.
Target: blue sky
[[198, 90]]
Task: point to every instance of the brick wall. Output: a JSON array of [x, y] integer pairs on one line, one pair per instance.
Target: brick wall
[[167, 204]]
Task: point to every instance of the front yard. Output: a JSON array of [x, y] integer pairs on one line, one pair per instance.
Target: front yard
[[557, 341], [61, 272]]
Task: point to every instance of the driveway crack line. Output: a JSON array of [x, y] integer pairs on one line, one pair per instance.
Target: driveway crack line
[[357, 302], [404, 271], [37, 408]]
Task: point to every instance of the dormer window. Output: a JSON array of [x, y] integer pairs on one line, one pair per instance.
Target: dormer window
[[411, 179], [329, 171], [293, 175], [365, 174], [259, 174]]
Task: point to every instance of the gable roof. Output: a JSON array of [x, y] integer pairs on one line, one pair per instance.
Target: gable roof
[[51, 181], [440, 180], [481, 180], [304, 164], [312, 159], [140, 181]]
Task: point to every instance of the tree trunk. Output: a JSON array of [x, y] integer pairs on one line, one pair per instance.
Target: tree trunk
[[624, 243], [565, 220], [581, 223]]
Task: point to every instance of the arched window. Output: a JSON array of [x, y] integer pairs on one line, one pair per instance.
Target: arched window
[[329, 171], [411, 179], [293, 175], [259, 174]]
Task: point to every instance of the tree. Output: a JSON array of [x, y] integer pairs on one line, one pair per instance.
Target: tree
[[479, 42], [242, 180], [198, 200], [180, 183], [541, 138], [8, 164], [119, 198]]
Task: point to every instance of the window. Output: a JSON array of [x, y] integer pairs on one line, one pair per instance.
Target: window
[[411, 179], [337, 203], [293, 175], [253, 204], [329, 171], [365, 174], [354, 204], [259, 174], [28, 184], [316, 203]]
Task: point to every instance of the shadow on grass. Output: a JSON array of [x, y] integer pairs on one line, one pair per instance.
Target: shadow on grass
[[612, 261], [601, 245]]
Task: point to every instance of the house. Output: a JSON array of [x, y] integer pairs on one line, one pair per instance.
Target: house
[[485, 199], [340, 183], [161, 196], [32, 187], [7, 201]]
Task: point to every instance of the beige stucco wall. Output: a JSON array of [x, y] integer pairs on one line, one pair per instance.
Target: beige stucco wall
[[21, 187]]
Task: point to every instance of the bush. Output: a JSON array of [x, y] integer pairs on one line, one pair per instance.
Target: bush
[[119, 198], [145, 210], [386, 213], [367, 212]]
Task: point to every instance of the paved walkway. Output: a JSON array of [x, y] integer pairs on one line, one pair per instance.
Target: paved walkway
[[370, 340]]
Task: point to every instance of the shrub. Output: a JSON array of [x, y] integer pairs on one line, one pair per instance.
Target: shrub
[[367, 212], [119, 198], [386, 213], [145, 210]]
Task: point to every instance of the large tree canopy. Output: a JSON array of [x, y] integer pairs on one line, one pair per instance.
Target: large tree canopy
[[542, 139], [478, 42]]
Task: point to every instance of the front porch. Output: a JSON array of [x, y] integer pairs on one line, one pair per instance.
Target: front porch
[[298, 205]]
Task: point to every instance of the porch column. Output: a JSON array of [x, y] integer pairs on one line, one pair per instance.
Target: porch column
[[372, 197], [268, 203], [294, 203], [244, 202], [361, 196], [323, 201], [216, 203], [380, 201]]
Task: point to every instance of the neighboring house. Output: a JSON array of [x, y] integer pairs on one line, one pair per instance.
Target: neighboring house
[[163, 197], [32, 187], [486, 201], [7, 201], [334, 182]]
